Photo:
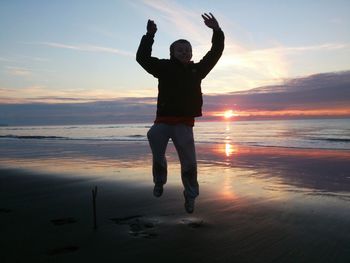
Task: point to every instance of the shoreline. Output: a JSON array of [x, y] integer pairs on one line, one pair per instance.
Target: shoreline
[[58, 139], [290, 134]]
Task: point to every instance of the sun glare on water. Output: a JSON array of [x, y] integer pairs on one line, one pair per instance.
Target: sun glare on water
[[228, 114]]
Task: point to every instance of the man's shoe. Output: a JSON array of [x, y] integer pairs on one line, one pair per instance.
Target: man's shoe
[[158, 190], [189, 204]]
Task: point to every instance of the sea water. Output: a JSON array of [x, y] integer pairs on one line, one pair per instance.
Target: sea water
[[314, 134]]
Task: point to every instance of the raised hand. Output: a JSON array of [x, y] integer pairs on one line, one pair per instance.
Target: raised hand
[[210, 21], [151, 27]]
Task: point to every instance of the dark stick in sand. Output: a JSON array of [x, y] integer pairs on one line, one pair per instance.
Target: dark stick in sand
[[94, 194]]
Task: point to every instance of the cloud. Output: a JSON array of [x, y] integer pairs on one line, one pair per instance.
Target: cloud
[[103, 32], [103, 112], [17, 71], [241, 67], [286, 49], [315, 92], [182, 21], [238, 64], [5, 59], [326, 95], [255, 67], [337, 21], [35, 59], [43, 94], [89, 48]]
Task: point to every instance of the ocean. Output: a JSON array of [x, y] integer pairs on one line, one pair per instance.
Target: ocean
[[314, 134]]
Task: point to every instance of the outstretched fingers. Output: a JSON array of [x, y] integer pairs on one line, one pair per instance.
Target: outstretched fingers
[[206, 16], [212, 16], [210, 20]]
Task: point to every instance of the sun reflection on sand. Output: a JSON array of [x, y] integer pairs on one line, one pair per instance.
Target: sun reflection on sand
[[230, 171], [228, 187], [234, 184], [230, 149]]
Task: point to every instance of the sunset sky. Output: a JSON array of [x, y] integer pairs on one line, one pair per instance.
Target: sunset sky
[[84, 51]]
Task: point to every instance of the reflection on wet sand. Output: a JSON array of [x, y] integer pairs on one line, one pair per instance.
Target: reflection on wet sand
[[233, 170], [322, 170], [230, 149]]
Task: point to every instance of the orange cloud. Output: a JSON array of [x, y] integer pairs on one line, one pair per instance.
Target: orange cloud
[[292, 113]]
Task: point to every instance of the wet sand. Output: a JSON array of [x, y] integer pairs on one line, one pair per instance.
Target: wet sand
[[255, 205]]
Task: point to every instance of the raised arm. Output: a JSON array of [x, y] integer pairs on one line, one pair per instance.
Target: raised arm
[[144, 52], [217, 47]]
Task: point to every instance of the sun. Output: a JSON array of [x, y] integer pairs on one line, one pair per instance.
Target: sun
[[228, 114]]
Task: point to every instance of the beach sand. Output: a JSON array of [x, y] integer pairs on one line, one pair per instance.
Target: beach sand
[[256, 204]]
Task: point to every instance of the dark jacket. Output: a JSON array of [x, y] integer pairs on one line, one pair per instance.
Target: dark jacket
[[179, 85]]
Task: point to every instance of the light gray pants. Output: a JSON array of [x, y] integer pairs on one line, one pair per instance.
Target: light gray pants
[[182, 137]]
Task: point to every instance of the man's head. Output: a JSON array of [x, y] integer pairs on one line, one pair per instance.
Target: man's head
[[181, 50]]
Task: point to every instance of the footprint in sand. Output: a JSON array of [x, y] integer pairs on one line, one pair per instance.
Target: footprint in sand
[[139, 226], [64, 221], [5, 210], [62, 250], [192, 222]]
